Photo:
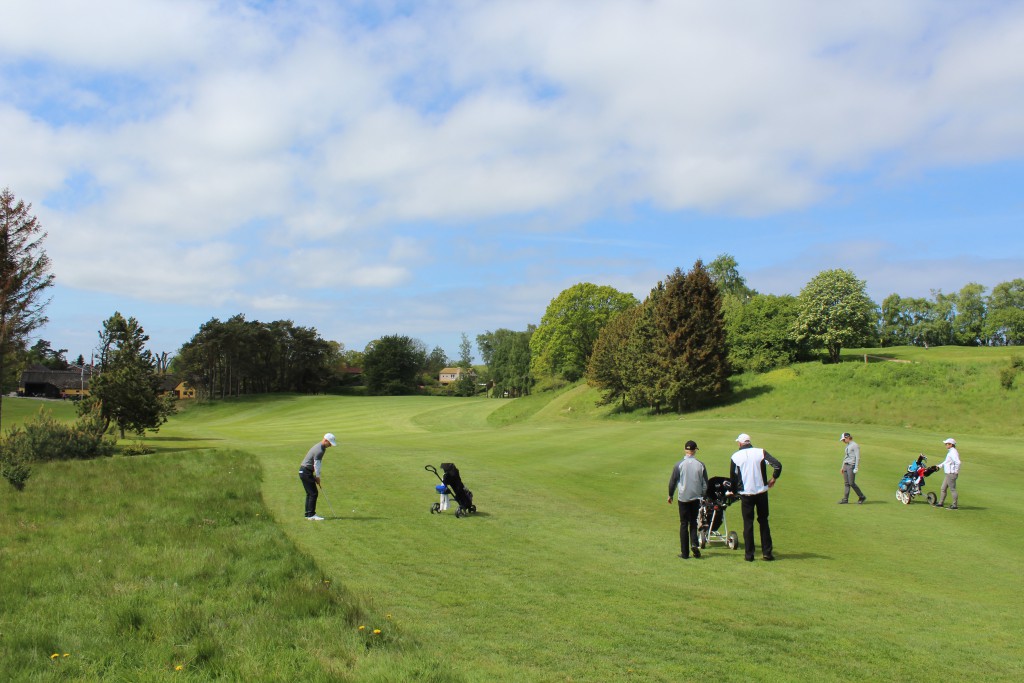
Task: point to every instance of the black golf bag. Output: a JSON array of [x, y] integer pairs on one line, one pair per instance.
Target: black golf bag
[[462, 495], [453, 486]]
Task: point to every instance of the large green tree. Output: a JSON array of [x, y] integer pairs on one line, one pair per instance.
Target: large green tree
[[391, 365], [24, 278], [565, 337], [760, 332], [1004, 324], [692, 341], [126, 391], [238, 356], [835, 312], [724, 272], [507, 356]]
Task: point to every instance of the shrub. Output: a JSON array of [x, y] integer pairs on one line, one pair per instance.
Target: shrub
[[44, 438], [137, 448], [14, 465], [1006, 377]]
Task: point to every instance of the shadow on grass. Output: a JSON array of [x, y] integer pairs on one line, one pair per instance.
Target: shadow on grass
[[746, 394], [782, 557], [342, 518], [735, 397]]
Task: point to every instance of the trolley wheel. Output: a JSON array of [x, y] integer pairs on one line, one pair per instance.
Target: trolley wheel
[[907, 498], [703, 536], [435, 508], [733, 540], [932, 498], [458, 513], [472, 508]]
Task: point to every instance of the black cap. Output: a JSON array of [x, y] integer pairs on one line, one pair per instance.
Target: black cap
[[691, 445]]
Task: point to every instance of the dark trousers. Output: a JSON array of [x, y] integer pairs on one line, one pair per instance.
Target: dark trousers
[[850, 481], [688, 537], [748, 504], [309, 483]]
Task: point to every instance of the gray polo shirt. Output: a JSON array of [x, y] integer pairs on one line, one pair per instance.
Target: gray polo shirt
[[852, 455], [689, 480]]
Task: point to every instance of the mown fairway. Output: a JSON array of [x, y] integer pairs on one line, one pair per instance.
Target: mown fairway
[[569, 571]]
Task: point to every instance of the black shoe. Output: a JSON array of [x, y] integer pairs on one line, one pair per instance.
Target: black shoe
[[749, 559], [862, 499], [696, 552], [843, 502], [683, 557], [953, 507], [768, 558]]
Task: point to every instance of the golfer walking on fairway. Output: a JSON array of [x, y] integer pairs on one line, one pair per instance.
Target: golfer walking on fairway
[[750, 478], [951, 466], [309, 474], [689, 481], [851, 463]]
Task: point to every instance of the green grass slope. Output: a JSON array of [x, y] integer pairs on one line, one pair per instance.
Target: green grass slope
[[569, 570]]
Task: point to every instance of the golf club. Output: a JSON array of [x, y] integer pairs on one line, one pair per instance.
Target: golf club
[[333, 513]]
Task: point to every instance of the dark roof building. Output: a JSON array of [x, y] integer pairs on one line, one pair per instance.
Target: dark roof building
[[39, 380]]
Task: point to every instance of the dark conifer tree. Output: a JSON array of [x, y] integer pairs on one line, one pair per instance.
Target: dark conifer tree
[[692, 346]]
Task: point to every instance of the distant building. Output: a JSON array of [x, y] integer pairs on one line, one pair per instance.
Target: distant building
[[177, 388], [41, 381], [449, 375]]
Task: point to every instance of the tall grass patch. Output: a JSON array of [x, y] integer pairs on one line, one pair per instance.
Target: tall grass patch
[[135, 568]]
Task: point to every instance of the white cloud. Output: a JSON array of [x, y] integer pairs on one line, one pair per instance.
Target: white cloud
[[229, 147]]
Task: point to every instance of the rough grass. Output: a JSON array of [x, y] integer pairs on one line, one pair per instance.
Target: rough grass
[[140, 568]]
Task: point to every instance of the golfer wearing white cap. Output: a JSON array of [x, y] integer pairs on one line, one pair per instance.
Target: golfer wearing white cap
[[750, 478], [951, 466], [309, 474]]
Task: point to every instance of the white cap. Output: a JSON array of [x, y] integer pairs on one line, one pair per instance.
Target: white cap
[[743, 438], [950, 441], [330, 438]]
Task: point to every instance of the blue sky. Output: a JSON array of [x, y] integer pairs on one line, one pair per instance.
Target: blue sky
[[439, 168]]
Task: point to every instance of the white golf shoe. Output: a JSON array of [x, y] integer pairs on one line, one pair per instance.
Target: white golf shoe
[[315, 518]]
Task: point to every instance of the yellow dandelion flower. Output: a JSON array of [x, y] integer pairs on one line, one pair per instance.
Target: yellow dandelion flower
[[55, 655], [376, 631], [66, 654], [389, 616], [362, 628]]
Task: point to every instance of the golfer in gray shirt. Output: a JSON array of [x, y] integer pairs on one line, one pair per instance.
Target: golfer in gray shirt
[[689, 483], [851, 463]]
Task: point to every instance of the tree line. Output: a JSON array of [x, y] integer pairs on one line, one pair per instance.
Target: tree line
[[673, 351]]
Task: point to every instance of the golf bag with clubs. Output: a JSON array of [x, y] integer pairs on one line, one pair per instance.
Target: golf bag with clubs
[[711, 524], [913, 481], [454, 487]]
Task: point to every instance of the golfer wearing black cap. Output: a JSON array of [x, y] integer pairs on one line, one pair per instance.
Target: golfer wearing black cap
[[689, 483], [851, 463]]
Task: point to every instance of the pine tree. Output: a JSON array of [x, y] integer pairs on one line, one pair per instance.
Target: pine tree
[[126, 392], [24, 276], [692, 343]]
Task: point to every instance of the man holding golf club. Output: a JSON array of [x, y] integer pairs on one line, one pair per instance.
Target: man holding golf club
[[309, 474]]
